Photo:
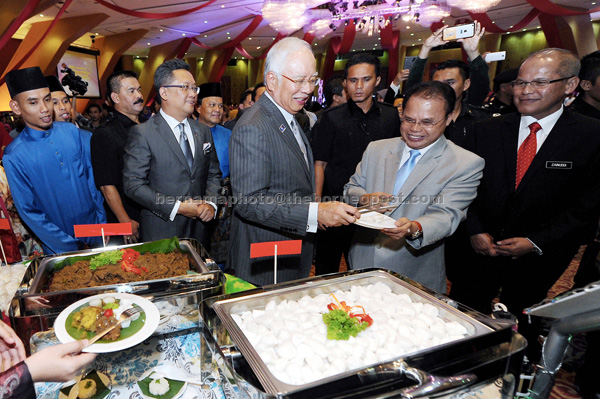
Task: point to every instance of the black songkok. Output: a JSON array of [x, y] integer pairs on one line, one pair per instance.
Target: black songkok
[[210, 90], [54, 84], [22, 80]]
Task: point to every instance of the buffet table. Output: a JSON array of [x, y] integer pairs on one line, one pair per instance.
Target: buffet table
[[181, 350]]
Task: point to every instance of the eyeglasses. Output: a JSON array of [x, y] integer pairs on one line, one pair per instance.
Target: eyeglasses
[[424, 124], [536, 84], [312, 81], [185, 88]]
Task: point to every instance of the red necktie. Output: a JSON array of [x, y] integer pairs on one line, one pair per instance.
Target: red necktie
[[527, 152]]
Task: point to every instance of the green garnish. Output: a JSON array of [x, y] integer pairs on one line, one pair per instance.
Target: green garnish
[[105, 258], [341, 326], [113, 305]]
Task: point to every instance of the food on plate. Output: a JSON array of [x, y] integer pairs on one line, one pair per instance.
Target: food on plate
[[159, 386], [100, 314], [86, 317], [117, 267], [292, 338], [87, 389]]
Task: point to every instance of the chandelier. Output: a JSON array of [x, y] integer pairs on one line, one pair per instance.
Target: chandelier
[[287, 16]]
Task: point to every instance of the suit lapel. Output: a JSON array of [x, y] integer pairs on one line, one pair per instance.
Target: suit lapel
[[392, 163], [510, 141], [424, 167], [198, 145], [553, 142], [287, 135], [163, 129]]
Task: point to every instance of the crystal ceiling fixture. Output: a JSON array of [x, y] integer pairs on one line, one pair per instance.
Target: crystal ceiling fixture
[[369, 16]]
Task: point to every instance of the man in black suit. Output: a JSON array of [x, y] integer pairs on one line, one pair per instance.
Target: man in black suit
[[538, 199], [272, 171], [108, 148], [170, 163]]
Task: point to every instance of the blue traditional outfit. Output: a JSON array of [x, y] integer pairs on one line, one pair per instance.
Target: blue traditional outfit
[[221, 136], [50, 175]]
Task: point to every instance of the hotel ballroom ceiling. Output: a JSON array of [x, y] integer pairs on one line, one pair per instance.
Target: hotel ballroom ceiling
[[224, 19]]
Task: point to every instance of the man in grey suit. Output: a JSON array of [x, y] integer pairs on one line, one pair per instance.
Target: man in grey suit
[[432, 179], [171, 166], [272, 172]]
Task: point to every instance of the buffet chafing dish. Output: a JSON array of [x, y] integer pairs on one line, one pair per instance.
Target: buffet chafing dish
[[34, 309], [490, 352]]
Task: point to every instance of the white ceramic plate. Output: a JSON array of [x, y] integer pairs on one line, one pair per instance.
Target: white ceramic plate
[[169, 372], [375, 220], [152, 320]]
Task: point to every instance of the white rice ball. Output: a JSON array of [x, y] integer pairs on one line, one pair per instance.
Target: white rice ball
[[159, 386]]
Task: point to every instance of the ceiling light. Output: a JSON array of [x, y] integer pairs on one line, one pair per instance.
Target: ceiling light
[[183, 34], [258, 48], [524, 30], [205, 35], [419, 39], [222, 6], [243, 58], [161, 30], [227, 32], [249, 38], [42, 15], [148, 44], [228, 38], [408, 27], [538, 27], [413, 45], [96, 33], [412, 34], [205, 22]]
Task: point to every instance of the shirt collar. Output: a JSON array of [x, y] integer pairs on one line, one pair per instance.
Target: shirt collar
[[421, 150], [172, 122], [40, 134], [547, 122], [288, 117], [124, 119], [353, 107]]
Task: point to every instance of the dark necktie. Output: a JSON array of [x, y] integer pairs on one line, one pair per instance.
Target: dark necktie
[[405, 170], [185, 145], [527, 152]]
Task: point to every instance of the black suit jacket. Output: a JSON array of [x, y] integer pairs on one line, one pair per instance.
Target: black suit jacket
[[156, 175], [557, 203]]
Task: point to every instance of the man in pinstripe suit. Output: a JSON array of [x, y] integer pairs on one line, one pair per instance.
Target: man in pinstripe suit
[[272, 173]]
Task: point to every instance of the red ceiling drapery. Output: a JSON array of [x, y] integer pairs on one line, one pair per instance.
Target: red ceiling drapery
[[36, 45], [22, 17]]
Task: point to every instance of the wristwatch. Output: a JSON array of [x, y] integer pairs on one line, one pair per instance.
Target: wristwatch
[[418, 233]]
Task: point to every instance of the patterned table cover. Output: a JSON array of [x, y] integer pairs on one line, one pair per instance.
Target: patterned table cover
[[182, 350]]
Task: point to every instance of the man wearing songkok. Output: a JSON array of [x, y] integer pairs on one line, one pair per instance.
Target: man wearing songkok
[[538, 199], [272, 171], [433, 180], [49, 170], [108, 148], [63, 107], [210, 111], [170, 164]]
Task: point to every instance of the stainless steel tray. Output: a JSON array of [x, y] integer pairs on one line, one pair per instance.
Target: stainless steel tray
[[35, 299], [225, 308]]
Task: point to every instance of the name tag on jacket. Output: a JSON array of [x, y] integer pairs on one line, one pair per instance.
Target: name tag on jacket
[[559, 165]]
